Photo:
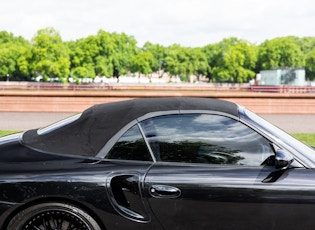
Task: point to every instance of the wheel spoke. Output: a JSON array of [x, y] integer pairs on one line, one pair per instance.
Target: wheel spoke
[[53, 220], [53, 216], [35, 227]]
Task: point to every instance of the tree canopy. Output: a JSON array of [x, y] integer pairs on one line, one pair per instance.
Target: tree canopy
[[115, 54]]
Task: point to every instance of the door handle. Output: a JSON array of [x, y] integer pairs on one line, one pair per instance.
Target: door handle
[[164, 191]]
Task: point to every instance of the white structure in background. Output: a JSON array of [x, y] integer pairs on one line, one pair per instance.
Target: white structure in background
[[134, 80], [282, 76]]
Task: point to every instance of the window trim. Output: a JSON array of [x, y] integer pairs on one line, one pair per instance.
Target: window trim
[[147, 143], [139, 132], [207, 112], [272, 137], [110, 144]]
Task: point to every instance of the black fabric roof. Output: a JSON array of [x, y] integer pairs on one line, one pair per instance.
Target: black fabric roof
[[87, 135]]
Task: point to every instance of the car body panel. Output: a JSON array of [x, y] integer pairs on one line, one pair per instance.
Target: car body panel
[[233, 196], [69, 163], [68, 178]]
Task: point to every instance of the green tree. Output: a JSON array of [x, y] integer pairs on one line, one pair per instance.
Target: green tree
[[50, 56], [306, 44], [240, 61], [7, 63], [159, 56], [198, 57], [118, 49], [213, 54], [310, 65], [142, 63], [185, 62], [80, 73], [231, 60], [106, 54], [14, 53], [83, 55], [279, 52]]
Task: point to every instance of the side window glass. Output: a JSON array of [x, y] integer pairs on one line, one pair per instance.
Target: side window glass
[[204, 138], [131, 146]]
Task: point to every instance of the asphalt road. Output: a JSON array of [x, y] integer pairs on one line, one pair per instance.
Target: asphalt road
[[28, 120]]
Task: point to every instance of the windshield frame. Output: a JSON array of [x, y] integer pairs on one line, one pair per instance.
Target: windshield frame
[[303, 153]]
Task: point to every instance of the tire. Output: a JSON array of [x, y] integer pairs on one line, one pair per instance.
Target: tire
[[49, 216]]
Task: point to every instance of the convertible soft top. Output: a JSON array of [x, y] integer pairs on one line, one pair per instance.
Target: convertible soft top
[[88, 134]]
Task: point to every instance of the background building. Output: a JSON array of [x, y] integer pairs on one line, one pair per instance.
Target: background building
[[282, 76]]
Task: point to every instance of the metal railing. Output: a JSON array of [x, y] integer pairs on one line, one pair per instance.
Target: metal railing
[[41, 86], [282, 89]]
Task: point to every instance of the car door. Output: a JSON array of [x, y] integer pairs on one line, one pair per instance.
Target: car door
[[124, 184], [214, 172]]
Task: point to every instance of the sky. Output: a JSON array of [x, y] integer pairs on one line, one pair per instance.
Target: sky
[[191, 23]]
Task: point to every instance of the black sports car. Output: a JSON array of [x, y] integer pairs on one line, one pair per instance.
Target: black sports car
[[157, 163]]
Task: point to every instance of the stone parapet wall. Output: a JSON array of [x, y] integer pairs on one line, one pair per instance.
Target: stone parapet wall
[[76, 101]]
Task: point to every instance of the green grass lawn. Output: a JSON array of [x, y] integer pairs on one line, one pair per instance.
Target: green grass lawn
[[6, 132], [308, 138]]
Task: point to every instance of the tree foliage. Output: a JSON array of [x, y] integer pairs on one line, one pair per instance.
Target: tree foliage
[[184, 62], [159, 56], [14, 54], [107, 54], [310, 64], [280, 52], [231, 60], [142, 63], [114, 54], [50, 56]]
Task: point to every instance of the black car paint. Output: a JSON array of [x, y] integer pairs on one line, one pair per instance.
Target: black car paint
[[225, 190], [71, 179], [234, 196], [156, 195]]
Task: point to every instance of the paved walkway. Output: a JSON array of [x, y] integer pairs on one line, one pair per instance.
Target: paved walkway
[[292, 123], [28, 120], [301, 123]]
